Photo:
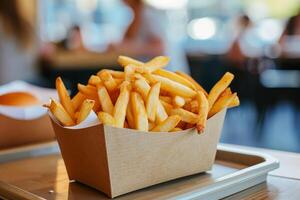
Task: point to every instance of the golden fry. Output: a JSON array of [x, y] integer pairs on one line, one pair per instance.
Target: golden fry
[[139, 112], [88, 90], [77, 100], [221, 103], [169, 124], [203, 109], [109, 82], [174, 77], [219, 87], [189, 78], [178, 101], [116, 74], [227, 91], [166, 99], [148, 67], [97, 106], [124, 61], [129, 71], [64, 97], [161, 113], [106, 119], [138, 76], [119, 81], [168, 107], [157, 63], [235, 102], [60, 113], [85, 110], [172, 87], [176, 129], [185, 115], [129, 115], [192, 106], [142, 87], [94, 80], [152, 101], [105, 101], [121, 105]]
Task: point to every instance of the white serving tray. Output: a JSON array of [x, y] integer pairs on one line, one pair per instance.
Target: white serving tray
[[234, 170]]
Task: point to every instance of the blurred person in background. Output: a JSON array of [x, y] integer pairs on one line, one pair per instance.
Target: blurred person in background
[[73, 40], [17, 49], [235, 55], [139, 39], [290, 38], [156, 30]]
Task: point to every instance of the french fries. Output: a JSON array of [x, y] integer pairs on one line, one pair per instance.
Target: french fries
[[178, 101], [235, 102], [221, 103], [161, 113], [169, 124], [60, 113], [175, 77], [152, 101], [109, 82], [142, 87], [218, 88], [166, 99], [185, 115], [139, 112], [77, 100], [94, 80], [150, 66], [157, 63], [105, 100], [106, 118], [85, 109], [176, 129], [203, 109], [115, 74], [144, 97], [124, 61], [189, 78], [120, 108], [88, 90], [64, 97], [172, 87], [129, 71], [129, 116]]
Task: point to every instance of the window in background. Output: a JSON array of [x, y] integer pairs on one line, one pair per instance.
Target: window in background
[[101, 21], [213, 25]]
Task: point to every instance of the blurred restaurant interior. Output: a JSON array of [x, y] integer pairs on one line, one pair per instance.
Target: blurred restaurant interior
[[257, 40]]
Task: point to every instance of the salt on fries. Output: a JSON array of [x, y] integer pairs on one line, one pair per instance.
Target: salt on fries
[[144, 97]]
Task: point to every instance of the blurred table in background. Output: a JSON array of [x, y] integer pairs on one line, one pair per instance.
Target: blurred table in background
[[76, 66]]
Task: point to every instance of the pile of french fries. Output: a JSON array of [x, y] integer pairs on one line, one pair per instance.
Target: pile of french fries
[[144, 97]]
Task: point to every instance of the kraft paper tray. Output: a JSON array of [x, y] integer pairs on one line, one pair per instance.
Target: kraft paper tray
[[234, 170]]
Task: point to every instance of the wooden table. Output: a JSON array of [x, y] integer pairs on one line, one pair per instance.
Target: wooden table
[[283, 183]]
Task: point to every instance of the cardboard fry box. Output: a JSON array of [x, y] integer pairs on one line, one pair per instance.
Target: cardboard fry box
[[25, 125], [117, 161]]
